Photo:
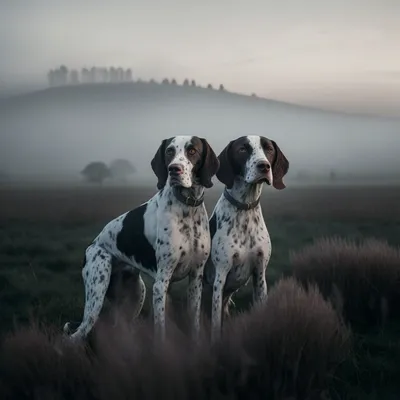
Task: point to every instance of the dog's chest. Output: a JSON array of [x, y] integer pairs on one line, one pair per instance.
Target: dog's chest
[[240, 231], [241, 240], [185, 231]]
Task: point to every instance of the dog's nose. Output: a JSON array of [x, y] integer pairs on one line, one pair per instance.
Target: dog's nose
[[175, 169], [263, 166]]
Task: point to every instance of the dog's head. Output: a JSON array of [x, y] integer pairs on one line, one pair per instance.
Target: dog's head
[[185, 161], [256, 159]]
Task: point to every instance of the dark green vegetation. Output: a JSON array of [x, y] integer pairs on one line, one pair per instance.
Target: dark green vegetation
[[296, 346]]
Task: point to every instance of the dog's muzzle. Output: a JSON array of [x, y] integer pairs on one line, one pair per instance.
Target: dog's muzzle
[[175, 172], [263, 172]]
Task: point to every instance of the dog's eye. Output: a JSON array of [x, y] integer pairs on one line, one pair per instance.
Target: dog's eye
[[242, 149], [192, 151], [169, 151]]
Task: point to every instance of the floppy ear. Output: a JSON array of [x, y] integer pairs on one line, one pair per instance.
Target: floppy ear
[[209, 166], [158, 165], [280, 168], [226, 173]]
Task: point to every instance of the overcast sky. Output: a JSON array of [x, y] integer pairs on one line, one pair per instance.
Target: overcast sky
[[316, 51]]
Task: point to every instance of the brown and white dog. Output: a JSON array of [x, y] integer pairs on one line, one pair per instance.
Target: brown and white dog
[[241, 245]]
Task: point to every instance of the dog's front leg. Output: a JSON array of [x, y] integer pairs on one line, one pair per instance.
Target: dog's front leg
[[195, 290], [259, 280], [218, 287], [160, 288]]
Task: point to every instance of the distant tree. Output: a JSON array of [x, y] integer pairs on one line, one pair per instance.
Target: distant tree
[[63, 73], [74, 77], [253, 95], [221, 87], [173, 82], [128, 75], [186, 82], [96, 172], [51, 78], [120, 74], [113, 75], [332, 176], [165, 81], [102, 74], [152, 81], [209, 86], [85, 75], [93, 75], [193, 83], [120, 169]]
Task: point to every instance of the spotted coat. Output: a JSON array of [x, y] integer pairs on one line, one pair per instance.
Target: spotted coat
[[241, 245], [166, 238]]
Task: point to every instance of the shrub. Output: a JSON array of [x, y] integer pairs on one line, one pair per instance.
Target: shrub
[[120, 364], [361, 279], [31, 367], [287, 347]]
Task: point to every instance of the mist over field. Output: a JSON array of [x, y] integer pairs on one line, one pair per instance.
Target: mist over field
[[54, 133], [339, 56]]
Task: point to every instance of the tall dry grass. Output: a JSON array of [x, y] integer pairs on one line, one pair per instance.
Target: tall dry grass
[[288, 348], [361, 278]]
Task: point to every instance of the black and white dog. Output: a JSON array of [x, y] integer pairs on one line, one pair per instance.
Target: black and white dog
[[167, 237], [241, 246]]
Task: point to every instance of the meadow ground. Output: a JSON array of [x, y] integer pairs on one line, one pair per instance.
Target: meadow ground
[[44, 232]]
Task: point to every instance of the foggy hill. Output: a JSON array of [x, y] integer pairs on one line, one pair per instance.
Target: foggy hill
[[59, 130]]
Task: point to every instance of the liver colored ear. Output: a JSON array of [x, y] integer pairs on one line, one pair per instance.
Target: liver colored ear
[[158, 164], [280, 168], [210, 165], [225, 173]]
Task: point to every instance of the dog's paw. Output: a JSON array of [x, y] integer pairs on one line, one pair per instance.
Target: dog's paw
[[67, 329], [70, 327]]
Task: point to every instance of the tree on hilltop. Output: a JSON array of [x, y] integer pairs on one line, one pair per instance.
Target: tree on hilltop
[[128, 75], [103, 75], [120, 74], [74, 77], [85, 75], [113, 75], [63, 74], [93, 75]]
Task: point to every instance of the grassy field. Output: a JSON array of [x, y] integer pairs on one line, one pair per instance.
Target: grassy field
[[44, 232]]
